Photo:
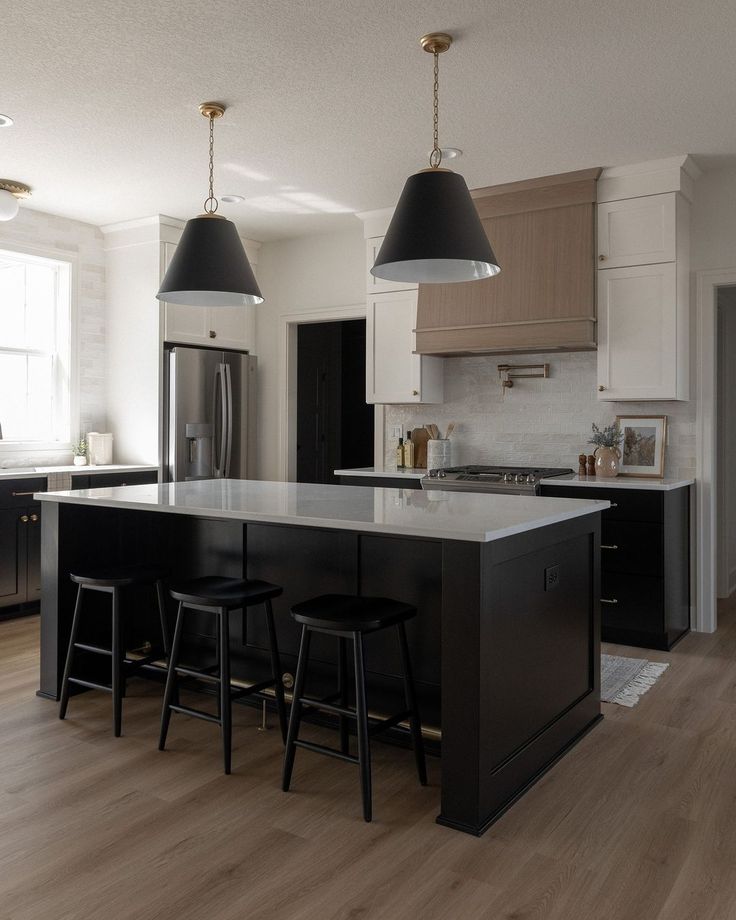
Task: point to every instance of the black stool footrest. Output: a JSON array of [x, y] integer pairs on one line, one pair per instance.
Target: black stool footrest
[[93, 648], [196, 672], [196, 713], [90, 684], [383, 725], [323, 749], [328, 707]]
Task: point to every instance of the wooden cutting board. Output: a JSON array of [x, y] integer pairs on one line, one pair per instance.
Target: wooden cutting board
[[420, 436]]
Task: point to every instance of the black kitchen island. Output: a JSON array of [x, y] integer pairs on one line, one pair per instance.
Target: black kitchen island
[[506, 646]]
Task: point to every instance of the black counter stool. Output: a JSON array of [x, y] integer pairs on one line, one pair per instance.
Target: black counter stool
[[349, 617], [110, 580], [221, 596]]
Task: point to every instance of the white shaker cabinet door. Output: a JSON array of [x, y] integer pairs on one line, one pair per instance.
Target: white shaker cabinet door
[[394, 374], [638, 328], [375, 285], [637, 231]]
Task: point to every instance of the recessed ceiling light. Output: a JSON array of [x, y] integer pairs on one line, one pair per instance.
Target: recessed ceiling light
[[232, 199], [5, 121], [450, 153]]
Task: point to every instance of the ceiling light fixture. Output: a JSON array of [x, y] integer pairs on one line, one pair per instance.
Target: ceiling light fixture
[[435, 235], [210, 267], [5, 121], [10, 192], [232, 199]]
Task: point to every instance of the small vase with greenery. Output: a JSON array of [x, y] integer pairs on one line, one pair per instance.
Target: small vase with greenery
[[607, 453], [79, 449]]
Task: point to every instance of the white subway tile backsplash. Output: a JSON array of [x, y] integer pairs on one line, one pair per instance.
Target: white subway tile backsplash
[[537, 421]]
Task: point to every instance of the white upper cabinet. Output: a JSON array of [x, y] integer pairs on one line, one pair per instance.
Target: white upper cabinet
[[638, 231], [643, 280], [375, 285], [393, 373], [217, 327], [638, 333]]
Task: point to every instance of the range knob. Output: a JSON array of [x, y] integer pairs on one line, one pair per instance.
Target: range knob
[[519, 478], [442, 474], [530, 479], [433, 474], [507, 477]]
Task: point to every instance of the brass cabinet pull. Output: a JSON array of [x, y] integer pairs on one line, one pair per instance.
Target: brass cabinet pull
[[601, 388], [213, 334], [614, 504], [609, 600], [609, 546], [34, 518], [24, 518], [601, 258], [415, 392], [21, 494]]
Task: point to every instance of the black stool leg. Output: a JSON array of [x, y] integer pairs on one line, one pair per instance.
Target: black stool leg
[[64, 702], [364, 750], [161, 600], [411, 704], [295, 716], [342, 689], [171, 692], [225, 693], [118, 653], [276, 668]]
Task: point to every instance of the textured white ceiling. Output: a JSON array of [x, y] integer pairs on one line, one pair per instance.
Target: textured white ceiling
[[330, 100]]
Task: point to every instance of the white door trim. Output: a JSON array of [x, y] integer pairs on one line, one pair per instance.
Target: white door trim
[[707, 283], [288, 323]]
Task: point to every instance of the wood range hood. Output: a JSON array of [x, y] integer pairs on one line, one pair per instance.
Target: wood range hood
[[543, 233]]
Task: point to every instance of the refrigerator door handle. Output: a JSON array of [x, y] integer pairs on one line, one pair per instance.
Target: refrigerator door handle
[[227, 420], [219, 410]]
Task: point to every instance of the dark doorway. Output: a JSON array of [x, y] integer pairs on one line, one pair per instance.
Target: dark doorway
[[334, 428]]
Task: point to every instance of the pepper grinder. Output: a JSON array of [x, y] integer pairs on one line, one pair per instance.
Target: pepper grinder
[[591, 464], [582, 465]]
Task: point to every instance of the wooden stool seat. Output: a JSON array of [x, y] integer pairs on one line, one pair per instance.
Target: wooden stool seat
[[120, 576], [216, 591], [349, 617], [347, 613], [220, 596]]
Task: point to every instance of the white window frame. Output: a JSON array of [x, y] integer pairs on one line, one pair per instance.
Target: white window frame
[[7, 447]]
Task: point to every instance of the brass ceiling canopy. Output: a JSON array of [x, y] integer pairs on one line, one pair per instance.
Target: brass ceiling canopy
[[18, 189], [436, 42], [212, 109]]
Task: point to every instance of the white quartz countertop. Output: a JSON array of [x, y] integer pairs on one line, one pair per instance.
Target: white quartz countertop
[[371, 471], [406, 512], [28, 472], [618, 482]]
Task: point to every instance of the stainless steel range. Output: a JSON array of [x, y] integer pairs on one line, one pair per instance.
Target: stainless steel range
[[513, 480]]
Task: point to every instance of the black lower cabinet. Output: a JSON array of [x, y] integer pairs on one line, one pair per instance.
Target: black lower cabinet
[[382, 482], [645, 563], [20, 547]]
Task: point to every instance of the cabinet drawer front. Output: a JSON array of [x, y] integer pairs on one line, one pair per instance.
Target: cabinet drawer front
[[99, 480], [633, 547], [17, 493], [639, 603], [626, 504]]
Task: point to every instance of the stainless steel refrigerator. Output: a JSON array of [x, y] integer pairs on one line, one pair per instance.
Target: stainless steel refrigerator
[[209, 414]]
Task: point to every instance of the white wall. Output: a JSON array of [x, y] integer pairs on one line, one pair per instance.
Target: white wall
[[298, 276], [726, 434], [83, 242]]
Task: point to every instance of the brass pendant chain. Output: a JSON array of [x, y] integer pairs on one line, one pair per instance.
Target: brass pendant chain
[[435, 157], [212, 204]]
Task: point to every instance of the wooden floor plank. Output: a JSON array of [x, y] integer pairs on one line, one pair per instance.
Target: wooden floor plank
[[639, 820]]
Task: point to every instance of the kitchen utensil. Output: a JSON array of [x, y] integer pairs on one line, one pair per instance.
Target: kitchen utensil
[[420, 436], [450, 429]]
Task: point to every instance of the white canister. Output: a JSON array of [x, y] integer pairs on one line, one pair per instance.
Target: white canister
[[438, 453], [99, 447]]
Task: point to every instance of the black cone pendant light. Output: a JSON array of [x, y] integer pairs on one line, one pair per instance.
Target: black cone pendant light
[[210, 267], [435, 235]]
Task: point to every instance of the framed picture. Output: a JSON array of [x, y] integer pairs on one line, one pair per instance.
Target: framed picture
[[642, 449]]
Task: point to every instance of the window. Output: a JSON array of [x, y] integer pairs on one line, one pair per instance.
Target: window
[[35, 348]]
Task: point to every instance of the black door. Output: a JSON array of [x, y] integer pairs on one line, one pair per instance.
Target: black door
[[334, 423]]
